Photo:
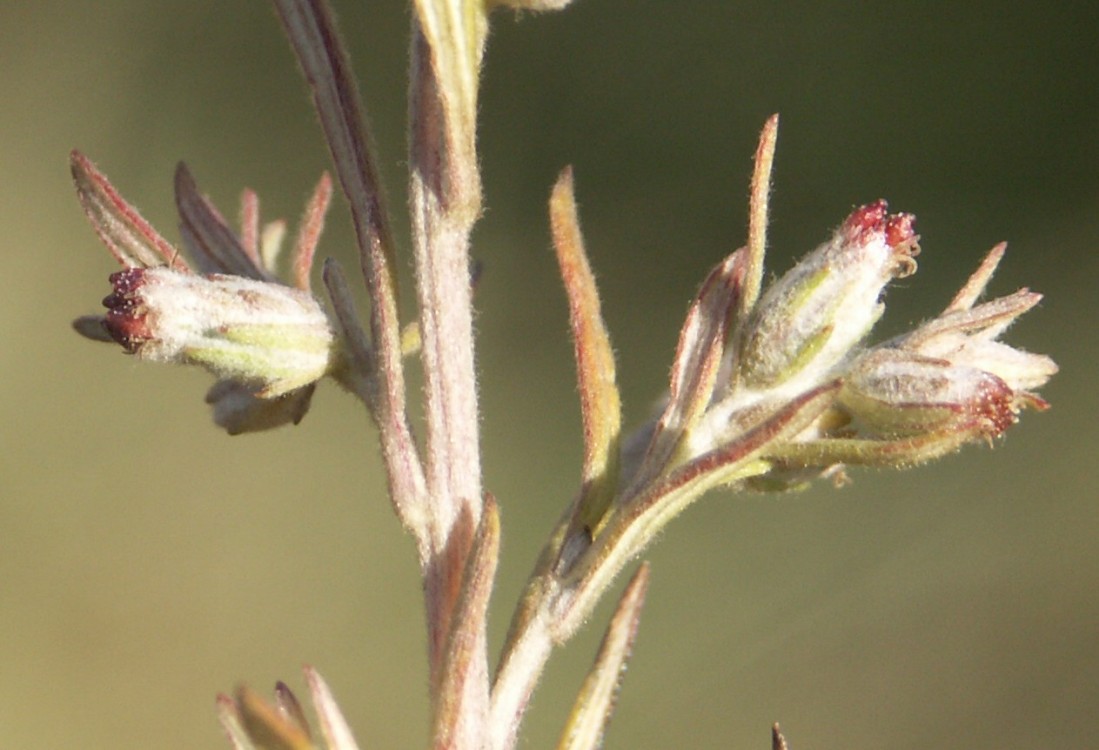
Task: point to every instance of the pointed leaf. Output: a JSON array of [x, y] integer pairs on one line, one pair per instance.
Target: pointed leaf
[[131, 239], [270, 243], [327, 68], [988, 319], [698, 359], [535, 5], [900, 453], [599, 400], [229, 718], [266, 726], [454, 33], [596, 701], [290, 707], [973, 288], [757, 215], [360, 376], [337, 734], [213, 245], [312, 224], [778, 742], [249, 228]]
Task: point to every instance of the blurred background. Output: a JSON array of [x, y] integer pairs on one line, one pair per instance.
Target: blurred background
[[149, 561]]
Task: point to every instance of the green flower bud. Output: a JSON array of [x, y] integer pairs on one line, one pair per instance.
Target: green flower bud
[[806, 323]]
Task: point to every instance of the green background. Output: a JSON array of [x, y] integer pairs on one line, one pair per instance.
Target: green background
[[148, 561]]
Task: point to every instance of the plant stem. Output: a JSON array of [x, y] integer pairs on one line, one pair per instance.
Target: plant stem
[[444, 202]]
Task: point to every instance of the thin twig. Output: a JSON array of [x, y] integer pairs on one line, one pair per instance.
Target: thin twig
[[325, 63]]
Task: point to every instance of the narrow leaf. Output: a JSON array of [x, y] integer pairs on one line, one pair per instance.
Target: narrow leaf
[[989, 318], [249, 227], [213, 244], [312, 224], [290, 707], [973, 288], [337, 734], [229, 718], [595, 703], [455, 34], [778, 742], [327, 68], [534, 5], [131, 239], [359, 377], [909, 451], [270, 243], [266, 725], [698, 359], [600, 404], [757, 215], [701, 342], [719, 465]]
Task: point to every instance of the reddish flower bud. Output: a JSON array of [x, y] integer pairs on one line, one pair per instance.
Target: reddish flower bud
[[267, 336], [893, 393]]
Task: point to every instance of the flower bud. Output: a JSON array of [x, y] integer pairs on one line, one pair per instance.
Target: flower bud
[[268, 336], [807, 322], [893, 393], [238, 410], [950, 378]]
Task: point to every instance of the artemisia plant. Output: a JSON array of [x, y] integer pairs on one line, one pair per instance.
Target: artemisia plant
[[770, 387]]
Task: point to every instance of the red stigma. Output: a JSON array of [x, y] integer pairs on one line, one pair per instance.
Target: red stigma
[[994, 403], [125, 318], [898, 230], [868, 218], [874, 218]]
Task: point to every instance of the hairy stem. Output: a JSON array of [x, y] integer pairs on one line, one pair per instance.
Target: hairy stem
[[444, 202]]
